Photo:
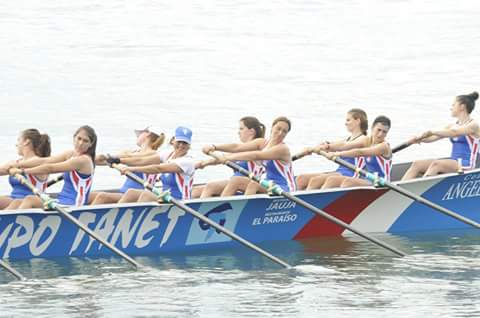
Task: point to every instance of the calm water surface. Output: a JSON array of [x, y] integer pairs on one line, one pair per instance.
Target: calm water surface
[[120, 65]]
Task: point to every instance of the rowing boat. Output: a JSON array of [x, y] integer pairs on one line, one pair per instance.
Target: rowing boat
[[153, 228]]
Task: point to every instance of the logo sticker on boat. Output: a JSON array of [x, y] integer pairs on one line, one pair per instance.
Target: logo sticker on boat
[[223, 213]]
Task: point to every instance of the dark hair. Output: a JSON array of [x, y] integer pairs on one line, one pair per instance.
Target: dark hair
[[253, 123], [468, 101], [358, 113], [40, 142], [285, 120], [93, 138], [155, 140], [384, 120]]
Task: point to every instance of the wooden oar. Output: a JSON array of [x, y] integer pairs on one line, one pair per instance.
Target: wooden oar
[[166, 197], [11, 270], [53, 204], [381, 181], [275, 189]]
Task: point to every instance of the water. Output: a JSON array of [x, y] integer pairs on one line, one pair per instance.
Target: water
[[120, 65]]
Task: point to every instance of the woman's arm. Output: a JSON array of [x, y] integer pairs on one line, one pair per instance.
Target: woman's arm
[[5, 166], [360, 142], [101, 160], [278, 152], [33, 162], [152, 159], [81, 164], [255, 144], [153, 169], [469, 129], [376, 150]]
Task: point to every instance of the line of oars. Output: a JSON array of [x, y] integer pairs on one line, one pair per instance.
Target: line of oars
[[381, 181], [167, 198], [275, 189]]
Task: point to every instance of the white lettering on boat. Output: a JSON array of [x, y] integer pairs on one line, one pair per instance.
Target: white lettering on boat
[[126, 228], [280, 205], [52, 223], [462, 190], [24, 233], [148, 224], [277, 212]]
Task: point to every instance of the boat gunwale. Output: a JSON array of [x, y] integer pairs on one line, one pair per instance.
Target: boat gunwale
[[235, 197]]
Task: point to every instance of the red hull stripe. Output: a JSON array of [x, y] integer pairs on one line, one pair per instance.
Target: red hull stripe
[[345, 208]]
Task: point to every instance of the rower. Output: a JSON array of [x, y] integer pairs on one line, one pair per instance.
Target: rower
[[274, 153], [250, 128], [30, 144], [464, 135], [148, 141], [376, 152], [77, 166], [177, 168], [356, 123]]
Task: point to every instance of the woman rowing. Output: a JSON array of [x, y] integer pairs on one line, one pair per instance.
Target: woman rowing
[[177, 168], [148, 141], [249, 129], [274, 153], [464, 135], [77, 166], [30, 144], [356, 123], [376, 152]]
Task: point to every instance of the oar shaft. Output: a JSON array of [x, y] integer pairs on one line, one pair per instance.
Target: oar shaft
[[11, 270], [404, 191], [228, 232], [433, 205], [313, 208], [401, 147], [66, 214], [196, 214], [54, 180]]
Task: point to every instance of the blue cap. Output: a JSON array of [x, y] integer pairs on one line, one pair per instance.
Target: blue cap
[[183, 134]]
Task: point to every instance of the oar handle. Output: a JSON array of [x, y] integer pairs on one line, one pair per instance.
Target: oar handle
[[375, 179], [401, 147], [166, 197], [53, 204], [270, 186], [299, 155], [54, 180]]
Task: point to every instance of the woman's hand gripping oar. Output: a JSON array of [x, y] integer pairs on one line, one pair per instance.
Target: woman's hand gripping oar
[[381, 181], [53, 204], [275, 189], [166, 197]]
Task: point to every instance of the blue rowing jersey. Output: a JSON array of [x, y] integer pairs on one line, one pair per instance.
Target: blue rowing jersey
[[358, 162], [252, 167], [20, 191], [379, 165], [465, 150], [280, 173], [76, 188], [131, 184], [179, 184]]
